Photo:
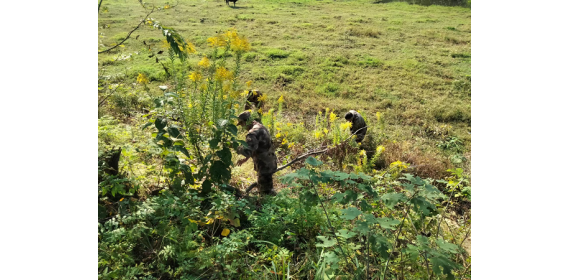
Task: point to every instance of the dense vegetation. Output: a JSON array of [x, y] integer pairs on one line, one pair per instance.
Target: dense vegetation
[[396, 207]]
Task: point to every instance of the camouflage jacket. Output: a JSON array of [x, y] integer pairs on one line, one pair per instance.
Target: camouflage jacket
[[260, 149], [357, 123]]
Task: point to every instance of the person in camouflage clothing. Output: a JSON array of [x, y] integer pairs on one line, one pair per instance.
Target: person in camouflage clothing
[[253, 100], [260, 148], [357, 123]]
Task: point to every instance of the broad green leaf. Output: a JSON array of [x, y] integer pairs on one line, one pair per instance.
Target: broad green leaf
[[442, 265], [391, 199], [146, 125], [349, 197], [346, 234], [313, 161], [350, 213], [413, 251], [380, 244], [225, 155], [220, 172], [388, 223], [181, 149], [365, 206], [422, 206], [327, 241], [206, 187], [332, 259], [160, 123], [233, 129], [309, 198], [338, 197], [173, 131], [448, 247], [214, 143], [363, 227]]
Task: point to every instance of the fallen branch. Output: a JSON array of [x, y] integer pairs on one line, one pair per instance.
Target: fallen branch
[[129, 35]]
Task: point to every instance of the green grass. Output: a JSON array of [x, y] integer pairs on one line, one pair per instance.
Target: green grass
[[410, 62]]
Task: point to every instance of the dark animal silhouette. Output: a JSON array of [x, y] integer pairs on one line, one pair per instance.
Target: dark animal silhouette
[[228, 2]]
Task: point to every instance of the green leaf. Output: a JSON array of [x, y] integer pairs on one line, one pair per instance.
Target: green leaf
[[309, 198], [214, 143], [188, 177], [146, 125], [332, 259], [350, 213], [442, 265], [327, 241], [380, 244], [225, 155], [391, 199], [346, 234], [388, 223], [422, 206], [349, 197], [220, 172], [413, 251], [363, 227], [206, 187], [365, 206], [160, 123], [313, 161], [448, 247], [173, 131], [233, 129], [181, 149], [338, 197]]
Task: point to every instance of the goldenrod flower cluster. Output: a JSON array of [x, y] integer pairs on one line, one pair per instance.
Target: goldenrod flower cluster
[[263, 97], [222, 74], [346, 125], [142, 79], [281, 99], [232, 39], [205, 62], [380, 149], [333, 117], [195, 76], [378, 116], [399, 165]]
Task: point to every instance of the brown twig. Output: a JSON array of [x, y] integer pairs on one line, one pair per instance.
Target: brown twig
[[129, 35]]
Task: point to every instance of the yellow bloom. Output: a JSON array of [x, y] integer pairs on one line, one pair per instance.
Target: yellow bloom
[[326, 131], [142, 79], [333, 117], [281, 100], [380, 149], [278, 135], [291, 145], [346, 125], [195, 76], [190, 48], [263, 97], [248, 83], [260, 110], [289, 124], [318, 135], [240, 44], [244, 93], [223, 74], [225, 232], [284, 141], [378, 115], [204, 62], [189, 105], [216, 41], [166, 6]]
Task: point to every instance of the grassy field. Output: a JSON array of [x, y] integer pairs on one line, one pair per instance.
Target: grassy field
[[406, 68], [409, 62]]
